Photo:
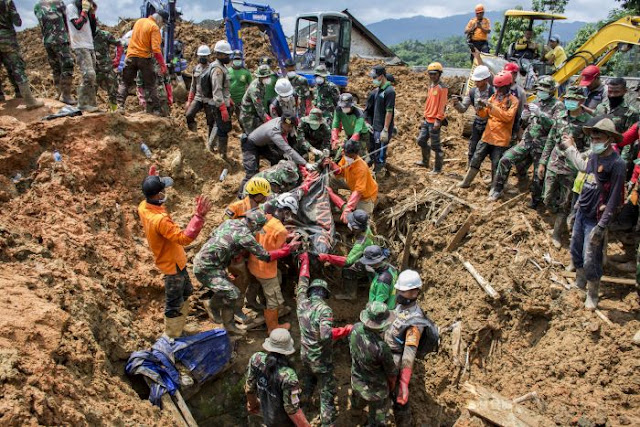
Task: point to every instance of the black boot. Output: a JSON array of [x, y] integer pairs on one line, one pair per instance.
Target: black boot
[[426, 157], [222, 146], [439, 163]]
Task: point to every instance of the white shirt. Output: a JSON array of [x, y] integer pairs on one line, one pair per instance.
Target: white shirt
[[80, 39]]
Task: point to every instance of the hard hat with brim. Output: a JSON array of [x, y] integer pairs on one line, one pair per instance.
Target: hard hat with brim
[[154, 184], [279, 341], [372, 255], [575, 92], [264, 71], [605, 125], [376, 316]]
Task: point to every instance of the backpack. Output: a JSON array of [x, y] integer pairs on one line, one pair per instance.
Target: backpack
[[205, 81], [429, 339]]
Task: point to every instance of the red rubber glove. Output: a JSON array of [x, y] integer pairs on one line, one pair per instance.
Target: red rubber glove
[[337, 260], [335, 199], [403, 390], [190, 98], [333, 166], [308, 107], [224, 112], [299, 420], [163, 65], [267, 118], [194, 227], [391, 382], [355, 137], [203, 206], [119, 52], [304, 265], [253, 405], [153, 171], [337, 333], [284, 251], [351, 205], [169, 90], [335, 138]]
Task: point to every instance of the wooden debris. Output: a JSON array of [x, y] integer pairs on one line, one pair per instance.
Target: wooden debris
[[186, 413], [169, 405], [454, 198], [529, 396], [407, 247], [481, 280], [462, 231], [607, 279], [492, 214], [604, 317], [447, 210]]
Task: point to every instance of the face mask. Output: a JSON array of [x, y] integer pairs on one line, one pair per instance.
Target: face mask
[[224, 60], [598, 147], [542, 95], [203, 60], [346, 110], [314, 126], [319, 80], [158, 202], [404, 301], [571, 104], [291, 74], [237, 63], [376, 82], [349, 160], [615, 101], [266, 81]]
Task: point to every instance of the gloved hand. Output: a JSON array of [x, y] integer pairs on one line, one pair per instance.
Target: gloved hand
[[336, 260], [160, 59], [310, 167], [384, 136], [169, 90], [567, 141], [267, 118], [403, 390], [351, 206], [153, 170], [337, 333], [190, 98], [336, 199], [355, 137], [316, 152], [253, 405], [597, 236], [86, 5], [335, 138], [203, 206], [304, 265], [224, 112], [534, 109]]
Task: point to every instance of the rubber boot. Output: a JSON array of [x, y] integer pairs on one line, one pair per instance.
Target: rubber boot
[[558, 228], [16, 89], [581, 279], [593, 287], [570, 267], [184, 311], [29, 100], [495, 193], [349, 290], [173, 326], [212, 308], [468, 179], [437, 168], [65, 91], [56, 83], [229, 323], [85, 99], [271, 319], [426, 157], [222, 146]]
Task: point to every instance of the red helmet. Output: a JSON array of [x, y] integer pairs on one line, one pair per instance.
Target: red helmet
[[511, 67], [502, 79]]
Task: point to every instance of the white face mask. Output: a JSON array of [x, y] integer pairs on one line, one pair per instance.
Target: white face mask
[[266, 81], [237, 62], [346, 110], [291, 74], [349, 160], [319, 80]]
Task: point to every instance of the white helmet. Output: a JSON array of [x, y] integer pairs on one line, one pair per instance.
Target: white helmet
[[283, 87], [223, 46], [481, 72], [407, 280], [287, 200], [203, 50]]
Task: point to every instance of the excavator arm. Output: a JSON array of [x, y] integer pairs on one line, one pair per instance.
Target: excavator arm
[[599, 48]]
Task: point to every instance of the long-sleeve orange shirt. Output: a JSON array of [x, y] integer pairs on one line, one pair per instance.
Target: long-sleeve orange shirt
[[501, 114], [145, 40], [478, 35], [436, 102], [165, 238], [237, 209], [274, 237], [358, 178]]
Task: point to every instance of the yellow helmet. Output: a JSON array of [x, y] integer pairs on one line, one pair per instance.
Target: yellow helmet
[[435, 66], [258, 186]]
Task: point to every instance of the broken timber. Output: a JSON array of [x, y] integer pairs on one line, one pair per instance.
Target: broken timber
[[179, 412], [407, 247], [462, 231], [607, 279], [481, 280]]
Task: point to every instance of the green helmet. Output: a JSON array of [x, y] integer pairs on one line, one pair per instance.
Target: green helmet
[[319, 283], [263, 71], [575, 92], [547, 83], [321, 70]]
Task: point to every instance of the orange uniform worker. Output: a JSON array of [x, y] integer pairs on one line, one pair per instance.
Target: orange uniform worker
[[353, 173], [478, 29], [433, 117], [501, 110], [166, 241]]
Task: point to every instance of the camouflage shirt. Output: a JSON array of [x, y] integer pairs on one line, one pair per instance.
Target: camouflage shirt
[[326, 98], [303, 92], [319, 138], [540, 125], [102, 42], [284, 174], [226, 243], [371, 363], [552, 156], [624, 115], [52, 20], [9, 18], [253, 100], [316, 323]]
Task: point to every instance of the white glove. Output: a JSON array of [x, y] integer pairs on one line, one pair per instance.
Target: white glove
[[310, 167], [384, 136], [316, 152], [525, 114], [326, 152], [534, 109]]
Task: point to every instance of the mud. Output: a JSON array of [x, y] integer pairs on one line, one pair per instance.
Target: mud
[[80, 291]]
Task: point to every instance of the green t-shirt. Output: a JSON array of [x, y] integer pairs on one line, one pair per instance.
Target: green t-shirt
[[351, 123], [240, 79]]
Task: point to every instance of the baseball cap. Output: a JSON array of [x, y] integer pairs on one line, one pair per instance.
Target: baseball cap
[[154, 184], [589, 74], [378, 71]]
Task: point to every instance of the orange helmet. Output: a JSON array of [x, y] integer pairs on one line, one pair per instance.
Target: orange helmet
[[502, 79]]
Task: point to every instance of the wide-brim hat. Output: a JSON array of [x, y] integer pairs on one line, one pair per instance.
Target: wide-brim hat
[[376, 316], [372, 255], [605, 125], [358, 219], [279, 341]]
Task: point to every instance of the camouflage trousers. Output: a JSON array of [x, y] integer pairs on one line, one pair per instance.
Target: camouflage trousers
[[218, 283], [107, 80], [86, 59], [310, 377], [557, 193], [60, 60], [378, 409], [13, 62], [515, 155], [249, 123]]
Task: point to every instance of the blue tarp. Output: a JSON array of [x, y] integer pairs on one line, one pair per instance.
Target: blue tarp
[[204, 354]]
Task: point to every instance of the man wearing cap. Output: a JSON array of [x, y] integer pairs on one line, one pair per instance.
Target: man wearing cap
[[373, 372], [478, 29], [594, 89], [272, 385], [558, 174], [166, 241], [543, 115], [556, 55], [239, 80], [252, 111], [350, 118], [601, 195], [482, 89], [326, 94], [301, 88], [384, 275], [434, 115], [317, 334], [382, 118], [616, 106], [309, 56], [314, 134]]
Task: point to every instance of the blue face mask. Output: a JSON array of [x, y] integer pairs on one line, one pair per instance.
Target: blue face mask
[[571, 104], [598, 147], [376, 82], [543, 96]]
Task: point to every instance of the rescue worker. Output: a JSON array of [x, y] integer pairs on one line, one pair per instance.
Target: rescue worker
[[617, 107], [10, 52], [601, 195], [257, 190], [270, 141], [525, 47], [273, 238], [210, 264], [220, 101], [283, 176], [166, 241], [594, 89], [52, 19], [195, 100], [384, 275], [382, 112], [285, 100], [105, 76], [519, 92], [309, 56], [314, 134], [252, 111], [478, 29], [82, 23], [301, 87], [326, 94], [317, 334], [482, 90], [272, 386], [373, 372], [270, 87], [556, 55], [543, 115], [558, 174], [240, 79], [144, 46], [434, 116], [350, 118], [500, 111]]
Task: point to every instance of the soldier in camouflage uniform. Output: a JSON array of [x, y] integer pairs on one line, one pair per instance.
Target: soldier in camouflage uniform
[[558, 174], [373, 372], [272, 386], [55, 36], [315, 318], [314, 134], [105, 76], [301, 87], [10, 51], [210, 264], [283, 177], [252, 112], [327, 94], [544, 114]]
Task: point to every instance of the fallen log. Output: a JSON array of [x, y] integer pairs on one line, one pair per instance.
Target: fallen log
[[486, 286]]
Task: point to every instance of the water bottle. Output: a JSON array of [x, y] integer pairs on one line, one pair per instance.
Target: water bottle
[[224, 174], [56, 156], [145, 150], [16, 178]]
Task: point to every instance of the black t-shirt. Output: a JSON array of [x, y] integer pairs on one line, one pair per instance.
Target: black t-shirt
[[385, 100], [610, 174]]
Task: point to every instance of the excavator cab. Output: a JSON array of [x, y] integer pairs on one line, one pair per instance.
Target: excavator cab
[[323, 38]]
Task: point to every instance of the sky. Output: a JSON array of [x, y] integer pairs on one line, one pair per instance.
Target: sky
[[367, 11]]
